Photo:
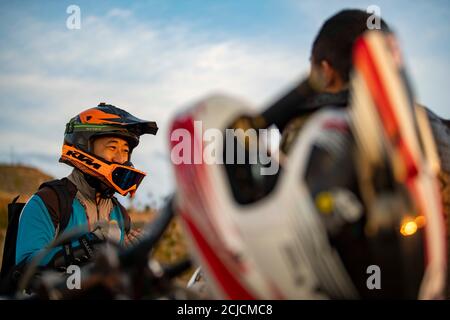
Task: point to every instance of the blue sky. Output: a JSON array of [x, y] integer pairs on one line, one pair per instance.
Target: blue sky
[[155, 57]]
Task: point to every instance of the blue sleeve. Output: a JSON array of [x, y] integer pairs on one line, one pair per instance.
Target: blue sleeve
[[117, 215], [35, 230]]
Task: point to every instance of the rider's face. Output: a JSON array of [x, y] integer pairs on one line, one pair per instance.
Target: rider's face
[[112, 149], [324, 78], [316, 77]]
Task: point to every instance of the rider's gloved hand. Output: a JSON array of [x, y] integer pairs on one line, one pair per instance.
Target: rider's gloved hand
[[108, 231], [133, 237]]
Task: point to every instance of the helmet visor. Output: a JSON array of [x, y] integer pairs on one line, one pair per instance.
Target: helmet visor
[[126, 178]]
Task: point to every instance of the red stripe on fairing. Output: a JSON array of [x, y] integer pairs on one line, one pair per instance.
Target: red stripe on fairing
[[186, 173], [229, 284], [364, 62], [192, 178]]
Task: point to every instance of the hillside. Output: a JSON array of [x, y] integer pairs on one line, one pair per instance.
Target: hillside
[[18, 180], [21, 179]]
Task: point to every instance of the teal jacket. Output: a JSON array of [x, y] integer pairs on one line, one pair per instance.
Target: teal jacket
[[36, 229]]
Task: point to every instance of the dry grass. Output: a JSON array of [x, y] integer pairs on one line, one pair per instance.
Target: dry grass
[[172, 247], [18, 179]]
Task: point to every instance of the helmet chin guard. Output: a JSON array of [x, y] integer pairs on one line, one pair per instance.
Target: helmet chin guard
[[122, 178]]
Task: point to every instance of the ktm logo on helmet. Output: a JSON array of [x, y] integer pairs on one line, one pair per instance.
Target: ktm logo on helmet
[[83, 158]]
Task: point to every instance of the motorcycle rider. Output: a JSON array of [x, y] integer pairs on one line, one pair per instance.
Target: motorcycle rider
[[98, 143], [327, 87]]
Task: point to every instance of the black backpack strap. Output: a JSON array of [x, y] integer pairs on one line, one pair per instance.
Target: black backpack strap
[[125, 215], [9, 254], [11, 272], [58, 196]]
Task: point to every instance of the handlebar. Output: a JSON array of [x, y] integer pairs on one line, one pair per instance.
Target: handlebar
[[128, 272]]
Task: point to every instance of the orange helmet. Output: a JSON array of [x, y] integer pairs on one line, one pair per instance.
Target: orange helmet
[[105, 120]]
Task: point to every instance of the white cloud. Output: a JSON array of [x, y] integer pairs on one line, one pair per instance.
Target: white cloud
[[50, 73], [119, 13], [150, 71]]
